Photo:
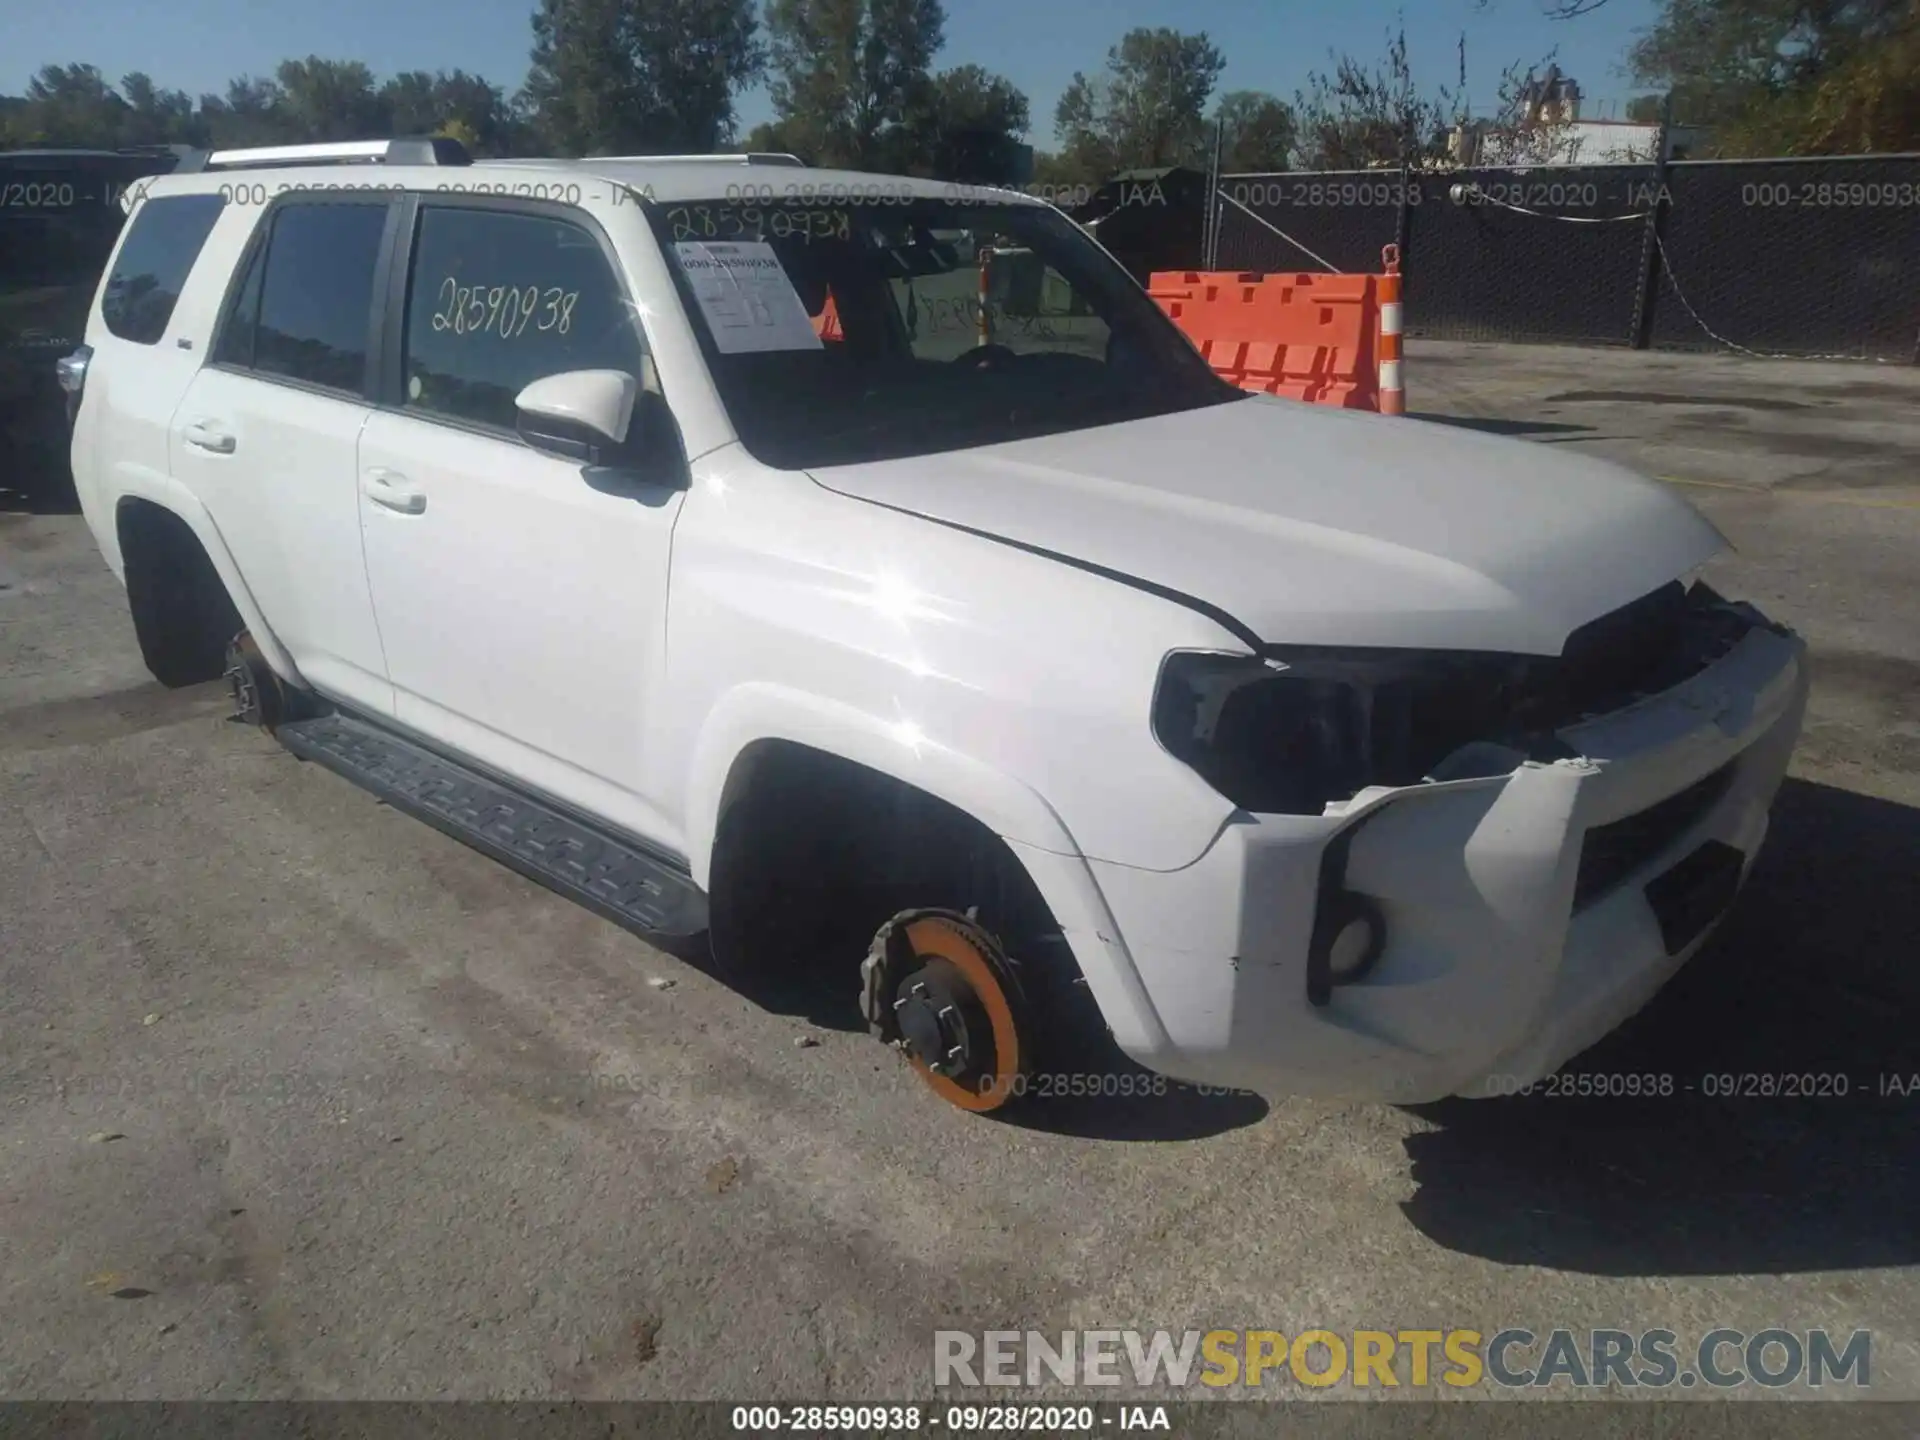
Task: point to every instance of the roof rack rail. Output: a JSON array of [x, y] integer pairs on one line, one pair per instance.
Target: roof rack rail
[[94, 152], [426, 150], [752, 157]]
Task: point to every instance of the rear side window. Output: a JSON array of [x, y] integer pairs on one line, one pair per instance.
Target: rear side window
[[307, 311], [165, 240]]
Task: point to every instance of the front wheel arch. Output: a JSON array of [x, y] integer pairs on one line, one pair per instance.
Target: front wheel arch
[[814, 853]]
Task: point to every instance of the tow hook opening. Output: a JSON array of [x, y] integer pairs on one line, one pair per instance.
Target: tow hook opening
[[1359, 935], [1349, 929]]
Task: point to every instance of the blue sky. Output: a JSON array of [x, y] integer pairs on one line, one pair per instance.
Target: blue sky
[[197, 45]]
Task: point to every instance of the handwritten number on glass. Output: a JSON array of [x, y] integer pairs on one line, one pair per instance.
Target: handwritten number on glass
[[736, 222], [503, 311]]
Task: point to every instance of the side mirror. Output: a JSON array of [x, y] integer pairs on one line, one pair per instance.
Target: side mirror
[[582, 415]]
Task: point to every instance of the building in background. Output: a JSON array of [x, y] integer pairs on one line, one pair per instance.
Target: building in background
[[1546, 126]]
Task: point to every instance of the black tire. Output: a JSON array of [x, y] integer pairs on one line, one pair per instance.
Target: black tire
[[182, 614]]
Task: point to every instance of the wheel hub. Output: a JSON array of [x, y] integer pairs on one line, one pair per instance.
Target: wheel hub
[[937, 987], [244, 692], [252, 685], [931, 1009]]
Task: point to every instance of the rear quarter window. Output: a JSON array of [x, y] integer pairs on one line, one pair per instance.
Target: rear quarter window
[[164, 240]]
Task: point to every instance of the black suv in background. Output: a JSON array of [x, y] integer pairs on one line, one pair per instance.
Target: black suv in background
[[60, 213]]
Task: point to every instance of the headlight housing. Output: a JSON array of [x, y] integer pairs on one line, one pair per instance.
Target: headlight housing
[[1290, 730]]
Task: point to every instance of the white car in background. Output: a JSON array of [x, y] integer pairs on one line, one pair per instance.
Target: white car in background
[[679, 531]]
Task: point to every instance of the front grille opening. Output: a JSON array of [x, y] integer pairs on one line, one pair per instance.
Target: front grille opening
[[1306, 726], [1610, 853], [1643, 649]]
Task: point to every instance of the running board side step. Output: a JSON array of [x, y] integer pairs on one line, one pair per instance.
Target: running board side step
[[615, 877]]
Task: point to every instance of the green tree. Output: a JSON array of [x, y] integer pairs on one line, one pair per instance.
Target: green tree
[[770, 135], [70, 105], [850, 74], [1789, 76], [1258, 134], [964, 124], [252, 112], [1057, 173], [1362, 115], [331, 99], [1147, 108], [15, 118], [156, 116], [1870, 102], [1781, 77], [464, 106], [640, 76]]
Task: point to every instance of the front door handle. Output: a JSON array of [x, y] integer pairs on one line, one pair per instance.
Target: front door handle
[[391, 491], [209, 437]]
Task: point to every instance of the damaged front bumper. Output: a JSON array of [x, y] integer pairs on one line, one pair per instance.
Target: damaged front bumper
[[1526, 914]]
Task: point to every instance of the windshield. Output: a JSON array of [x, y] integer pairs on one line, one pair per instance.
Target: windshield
[[844, 333]]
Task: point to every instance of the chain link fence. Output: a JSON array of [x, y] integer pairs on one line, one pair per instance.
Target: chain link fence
[[1776, 257]]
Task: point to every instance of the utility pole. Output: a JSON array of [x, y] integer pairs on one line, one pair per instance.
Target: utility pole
[[1210, 234], [1643, 303]]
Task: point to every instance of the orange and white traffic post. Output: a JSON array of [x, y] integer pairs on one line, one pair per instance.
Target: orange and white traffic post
[[1393, 394]]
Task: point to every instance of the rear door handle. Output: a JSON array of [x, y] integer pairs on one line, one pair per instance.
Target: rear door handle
[[209, 437], [391, 491]]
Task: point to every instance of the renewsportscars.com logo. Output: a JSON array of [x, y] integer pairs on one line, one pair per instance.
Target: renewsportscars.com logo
[[1509, 1359]]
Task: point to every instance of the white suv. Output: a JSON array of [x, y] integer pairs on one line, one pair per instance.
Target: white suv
[[865, 571]]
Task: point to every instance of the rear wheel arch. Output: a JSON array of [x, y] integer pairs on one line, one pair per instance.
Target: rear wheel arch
[[163, 540], [179, 603]]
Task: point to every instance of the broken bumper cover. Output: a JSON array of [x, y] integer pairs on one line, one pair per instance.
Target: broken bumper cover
[[1526, 914]]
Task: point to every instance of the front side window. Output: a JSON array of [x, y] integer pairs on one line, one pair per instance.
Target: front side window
[[841, 333], [498, 299], [314, 308], [153, 264]]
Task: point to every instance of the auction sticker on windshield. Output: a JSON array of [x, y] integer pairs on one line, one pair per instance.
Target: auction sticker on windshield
[[749, 302]]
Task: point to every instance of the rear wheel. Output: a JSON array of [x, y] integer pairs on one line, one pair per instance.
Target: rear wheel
[[182, 614]]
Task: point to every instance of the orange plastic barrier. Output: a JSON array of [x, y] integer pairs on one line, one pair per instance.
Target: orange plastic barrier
[[1308, 337]]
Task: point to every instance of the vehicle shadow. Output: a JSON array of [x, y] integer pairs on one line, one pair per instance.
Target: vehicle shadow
[[1812, 978], [1088, 1090], [1154, 1109], [30, 489], [1492, 426]]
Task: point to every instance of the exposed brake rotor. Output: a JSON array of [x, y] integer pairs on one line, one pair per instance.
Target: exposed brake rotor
[[937, 986]]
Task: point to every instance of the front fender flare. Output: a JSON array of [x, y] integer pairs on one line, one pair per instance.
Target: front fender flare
[[1006, 805], [761, 711]]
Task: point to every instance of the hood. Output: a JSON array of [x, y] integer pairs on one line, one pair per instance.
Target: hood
[[1315, 526]]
